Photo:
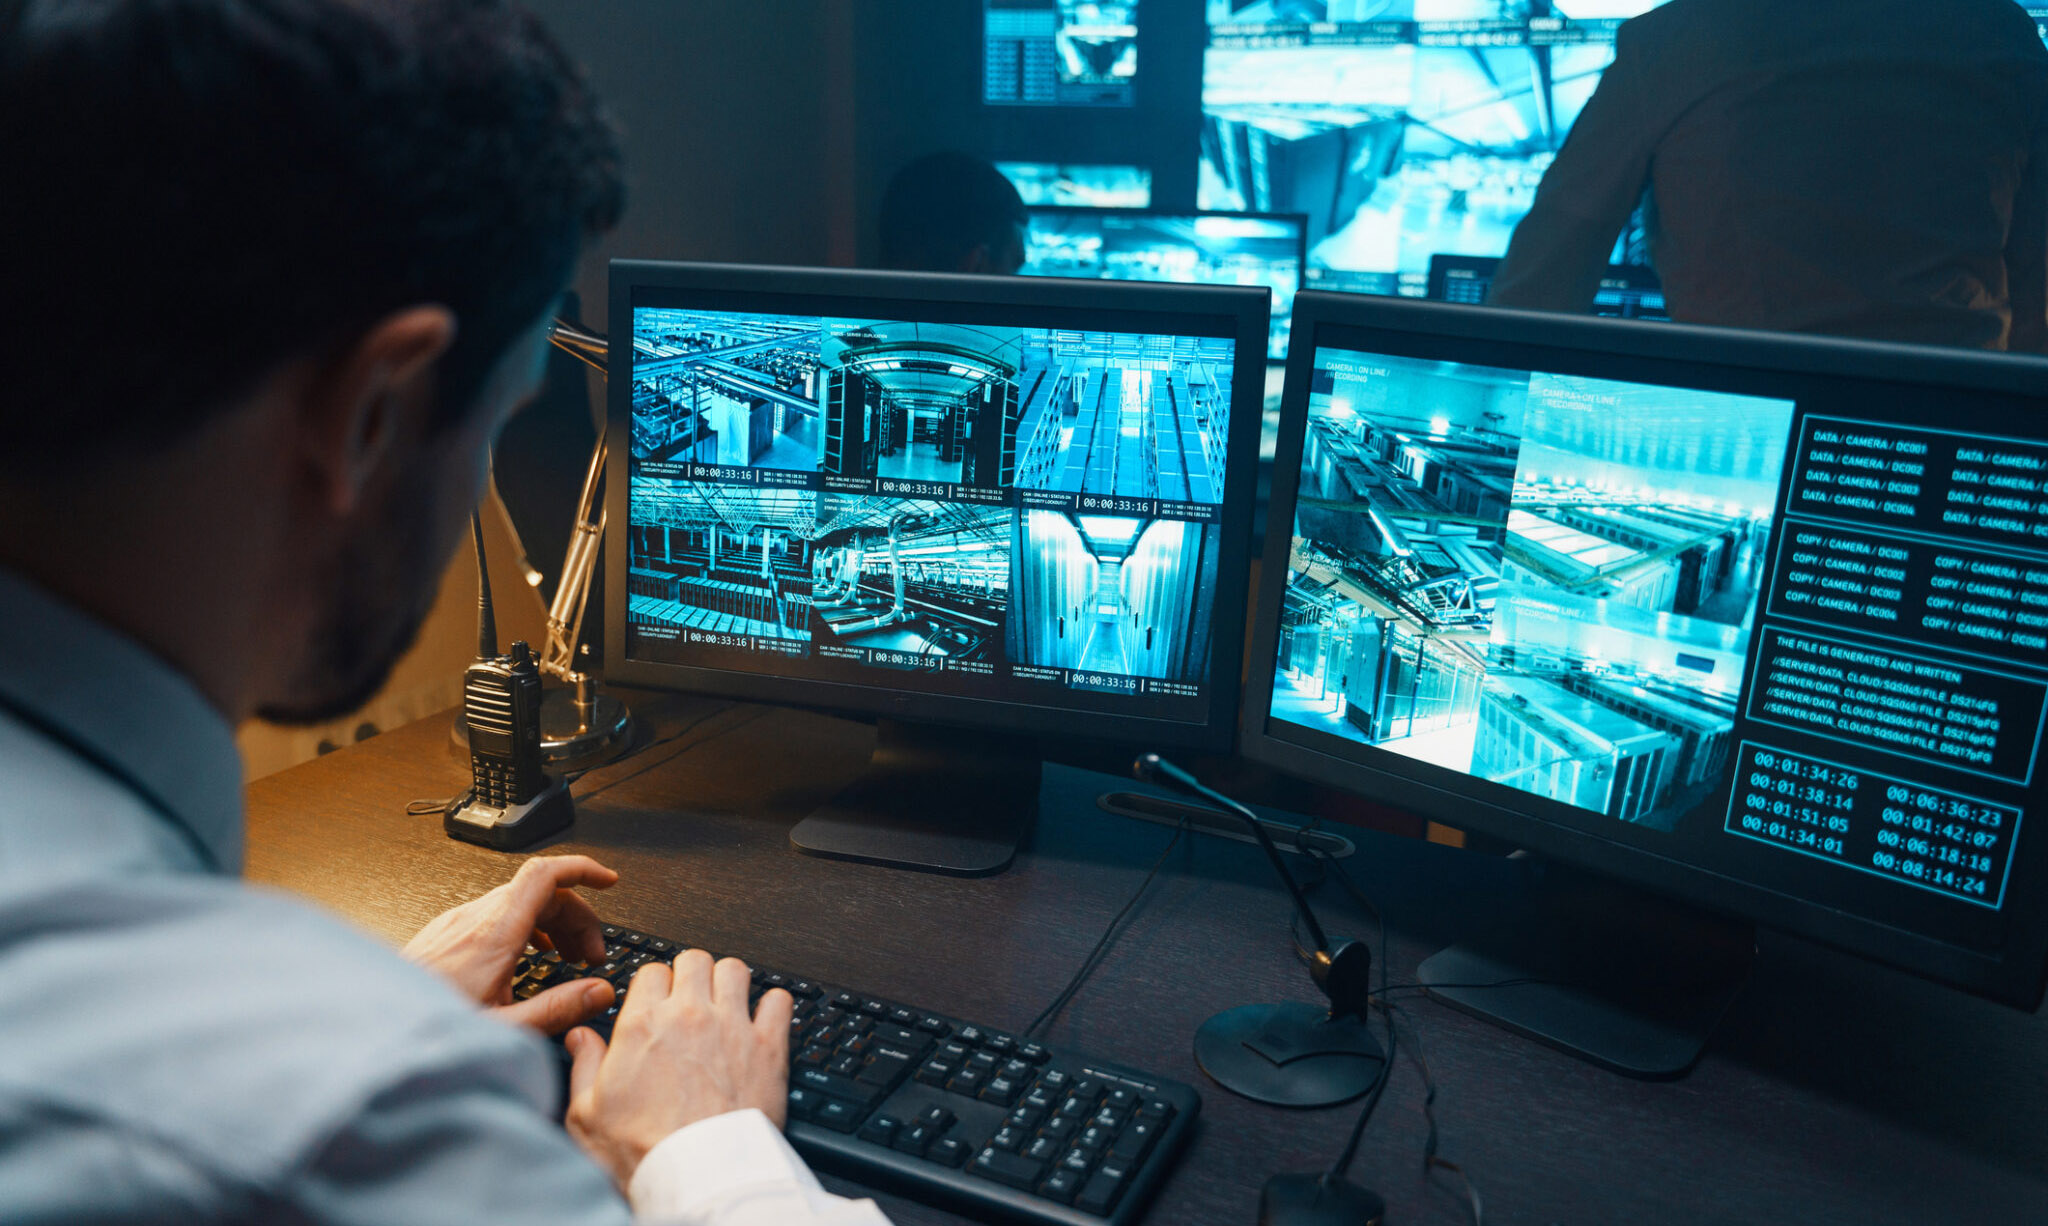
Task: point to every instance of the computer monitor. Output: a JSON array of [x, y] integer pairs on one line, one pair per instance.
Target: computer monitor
[[985, 511], [1157, 245], [1757, 622], [1625, 292], [1402, 128], [1106, 187], [1059, 52]]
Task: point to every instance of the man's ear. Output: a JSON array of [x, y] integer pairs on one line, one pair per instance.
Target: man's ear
[[378, 390]]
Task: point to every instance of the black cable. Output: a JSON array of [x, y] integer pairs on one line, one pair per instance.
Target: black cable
[[1372, 1100], [1088, 964], [1431, 1160]]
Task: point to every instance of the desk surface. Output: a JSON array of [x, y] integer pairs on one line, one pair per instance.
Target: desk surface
[[1837, 1091]]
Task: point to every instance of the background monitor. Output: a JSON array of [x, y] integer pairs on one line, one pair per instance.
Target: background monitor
[[1626, 292], [1059, 52], [1403, 129], [1760, 622], [1110, 187], [1013, 506], [1194, 248]]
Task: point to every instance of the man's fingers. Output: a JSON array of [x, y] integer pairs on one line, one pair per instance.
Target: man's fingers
[[533, 887], [693, 976], [573, 927], [586, 1053], [730, 983], [772, 1015], [560, 1007], [650, 986]]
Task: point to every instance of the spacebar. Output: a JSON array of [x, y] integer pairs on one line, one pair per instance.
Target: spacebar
[[838, 1087]]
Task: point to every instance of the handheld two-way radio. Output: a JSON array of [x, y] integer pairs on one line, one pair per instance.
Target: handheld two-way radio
[[512, 802]]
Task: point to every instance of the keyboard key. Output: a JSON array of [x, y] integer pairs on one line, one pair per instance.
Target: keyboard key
[[1060, 1127], [1039, 1100], [637, 940], [846, 1000], [1099, 1195], [665, 950], [1122, 1100], [886, 1066], [937, 1117], [971, 1035], [1157, 1109], [1077, 1160], [874, 1008], [1025, 1118], [1093, 1139], [967, 1081], [1061, 1185], [802, 1102], [985, 1061], [1088, 1088], [881, 1129], [1000, 1044], [1033, 1052], [913, 1139], [838, 1087], [845, 1066], [1013, 1169], [1109, 1119], [902, 1016], [956, 1052], [802, 989], [934, 1025], [1018, 1071], [838, 1115], [1042, 1149], [1001, 1090], [950, 1151], [1055, 1080], [1135, 1141], [935, 1072], [1009, 1138]]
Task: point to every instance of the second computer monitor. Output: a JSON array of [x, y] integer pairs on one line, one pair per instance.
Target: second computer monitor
[[1205, 248]]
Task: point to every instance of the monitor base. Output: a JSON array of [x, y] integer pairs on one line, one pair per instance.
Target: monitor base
[[1620, 978], [935, 800]]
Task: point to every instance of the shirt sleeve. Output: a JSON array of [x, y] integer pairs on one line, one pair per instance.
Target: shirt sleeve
[[1560, 250], [737, 1170]]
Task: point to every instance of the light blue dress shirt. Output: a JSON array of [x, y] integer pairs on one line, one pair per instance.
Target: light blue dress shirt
[[178, 1046]]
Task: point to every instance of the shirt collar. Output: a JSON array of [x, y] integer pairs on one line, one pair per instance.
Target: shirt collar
[[111, 701]]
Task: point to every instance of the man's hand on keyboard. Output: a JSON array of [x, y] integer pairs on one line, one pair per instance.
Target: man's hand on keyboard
[[683, 1050], [476, 944]]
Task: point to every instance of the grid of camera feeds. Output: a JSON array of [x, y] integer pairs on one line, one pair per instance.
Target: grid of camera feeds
[[1001, 509], [1059, 52], [1198, 248], [1102, 187], [1545, 581], [1404, 129]]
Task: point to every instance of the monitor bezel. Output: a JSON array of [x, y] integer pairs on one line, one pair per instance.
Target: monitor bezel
[[1243, 308], [2016, 973], [1298, 220]]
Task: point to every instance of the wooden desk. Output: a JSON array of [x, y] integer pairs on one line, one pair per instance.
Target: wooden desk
[[1838, 1092]]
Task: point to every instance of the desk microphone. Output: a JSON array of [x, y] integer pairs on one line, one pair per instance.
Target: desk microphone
[[1291, 1054]]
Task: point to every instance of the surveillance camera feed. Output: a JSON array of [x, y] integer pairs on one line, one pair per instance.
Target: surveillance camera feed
[[1203, 248], [1104, 187], [1402, 128], [1545, 581], [1023, 514], [1059, 53], [1737, 631]]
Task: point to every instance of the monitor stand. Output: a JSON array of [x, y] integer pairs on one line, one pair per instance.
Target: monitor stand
[[1624, 979], [939, 800]]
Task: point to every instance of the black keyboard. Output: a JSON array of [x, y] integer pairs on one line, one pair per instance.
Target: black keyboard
[[941, 1110]]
